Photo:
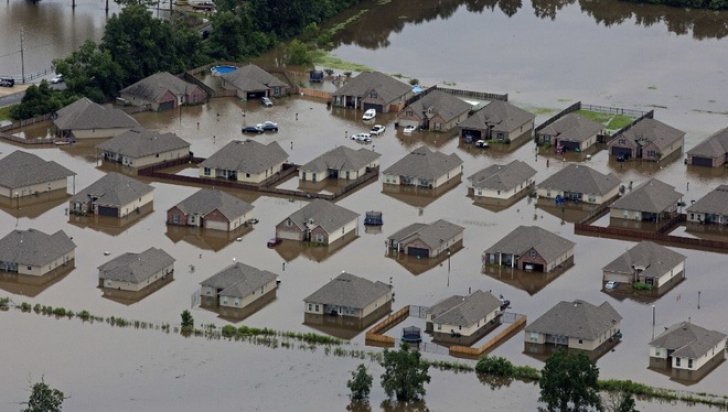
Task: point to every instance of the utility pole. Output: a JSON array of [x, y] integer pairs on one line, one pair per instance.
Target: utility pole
[[22, 56]]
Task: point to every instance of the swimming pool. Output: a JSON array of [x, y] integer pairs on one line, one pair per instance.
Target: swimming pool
[[220, 70]]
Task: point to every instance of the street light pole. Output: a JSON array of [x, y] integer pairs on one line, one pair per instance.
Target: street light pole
[[22, 56]]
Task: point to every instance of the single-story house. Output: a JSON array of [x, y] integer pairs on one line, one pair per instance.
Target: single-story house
[[350, 296], [652, 201], [340, 163], [210, 209], [25, 174], [463, 319], [319, 222], [252, 82], [373, 90], [114, 195], [238, 286], [245, 161], [575, 325], [163, 91], [427, 241], [530, 248], [499, 121], [572, 132], [35, 253], [711, 152], [133, 272], [502, 181], [689, 350], [579, 183], [711, 208], [142, 147], [648, 263], [648, 139], [436, 110], [424, 168], [84, 119]]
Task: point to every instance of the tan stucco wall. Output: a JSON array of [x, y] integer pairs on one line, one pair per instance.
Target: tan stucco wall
[[506, 194], [348, 228], [136, 287], [30, 190], [163, 157], [136, 203], [242, 177], [236, 302], [597, 200], [97, 133], [24, 269], [466, 330]]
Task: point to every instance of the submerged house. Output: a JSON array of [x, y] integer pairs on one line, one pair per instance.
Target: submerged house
[[239, 287], [711, 152], [141, 147], [499, 121], [648, 139], [373, 90], [25, 174], [252, 82], [245, 161], [35, 253], [84, 119], [424, 168], [163, 91], [436, 111], [339, 163], [210, 209], [426, 240], [652, 201], [647, 263], [570, 133], [319, 222], [502, 181], [348, 295], [689, 350], [134, 272], [711, 209], [579, 183], [114, 195], [530, 248], [463, 320]]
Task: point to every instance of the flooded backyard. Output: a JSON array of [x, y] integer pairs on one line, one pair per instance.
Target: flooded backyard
[[522, 53]]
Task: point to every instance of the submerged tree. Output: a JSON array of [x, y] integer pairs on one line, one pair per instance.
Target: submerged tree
[[188, 323], [43, 398], [405, 374], [569, 383], [360, 384]]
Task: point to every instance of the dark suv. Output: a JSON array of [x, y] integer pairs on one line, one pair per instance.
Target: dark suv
[[7, 82]]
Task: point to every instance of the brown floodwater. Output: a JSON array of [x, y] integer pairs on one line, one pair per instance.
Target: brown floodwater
[[627, 63]]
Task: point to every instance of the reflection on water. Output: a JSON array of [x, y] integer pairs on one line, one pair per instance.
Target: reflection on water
[[127, 297], [344, 327], [417, 265], [290, 250], [205, 239], [32, 286], [111, 225], [33, 206]]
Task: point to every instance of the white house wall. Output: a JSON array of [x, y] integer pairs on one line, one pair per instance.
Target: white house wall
[[136, 203], [502, 194], [237, 302], [162, 157], [348, 228], [136, 287], [98, 133], [37, 188], [24, 269], [466, 330]]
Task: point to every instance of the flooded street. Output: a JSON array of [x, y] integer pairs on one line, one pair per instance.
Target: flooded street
[[625, 64]]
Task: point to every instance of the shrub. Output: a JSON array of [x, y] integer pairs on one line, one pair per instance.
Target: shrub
[[229, 331], [37, 308], [641, 286], [59, 312], [25, 307], [496, 366], [84, 315], [414, 82]]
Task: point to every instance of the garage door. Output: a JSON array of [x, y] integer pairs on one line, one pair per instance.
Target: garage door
[[378, 107], [256, 95], [166, 105], [418, 252], [290, 235], [702, 161], [216, 225], [569, 146], [108, 211], [623, 152], [532, 267], [470, 135]]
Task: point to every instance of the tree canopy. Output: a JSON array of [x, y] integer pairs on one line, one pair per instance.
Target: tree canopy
[[360, 383], [405, 374], [43, 398], [569, 383]]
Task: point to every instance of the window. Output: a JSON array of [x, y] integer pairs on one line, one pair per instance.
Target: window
[[651, 153], [310, 307], [690, 363], [532, 253], [580, 341], [207, 171], [317, 308], [677, 361], [30, 267]]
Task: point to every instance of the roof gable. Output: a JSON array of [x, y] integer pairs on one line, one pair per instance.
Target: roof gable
[[21, 169], [548, 245], [653, 196], [502, 116], [502, 177], [324, 214], [577, 319], [581, 179], [349, 290], [247, 156], [342, 158], [113, 189], [33, 247], [138, 143], [424, 163], [83, 114]]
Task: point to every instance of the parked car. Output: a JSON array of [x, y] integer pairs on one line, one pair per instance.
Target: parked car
[[611, 285], [57, 79], [7, 82], [274, 242], [361, 137], [409, 129], [268, 126], [266, 102], [253, 129], [481, 144], [377, 130], [369, 114]]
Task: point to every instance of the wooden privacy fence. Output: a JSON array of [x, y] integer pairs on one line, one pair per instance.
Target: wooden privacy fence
[[315, 93], [505, 334], [375, 337]]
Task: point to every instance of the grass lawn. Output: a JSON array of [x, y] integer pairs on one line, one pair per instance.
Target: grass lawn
[[325, 59], [5, 112], [610, 121]]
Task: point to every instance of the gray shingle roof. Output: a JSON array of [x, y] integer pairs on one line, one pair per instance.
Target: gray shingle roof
[[113, 189], [715, 202], [444, 305], [581, 179], [387, 87], [207, 200], [323, 213], [688, 340], [251, 78], [469, 310], [135, 267], [549, 245], [651, 130], [573, 128], [21, 169], [503, 116], [342, 158], [152, 88], [653, 196], [424, 163], [349, 290], [649, 257], [432, 235], [714, 146], [502, 177], [138, 143], [440, 103], [247, 156], [239, 280], [83, 114], [33, 247], [577, 319]]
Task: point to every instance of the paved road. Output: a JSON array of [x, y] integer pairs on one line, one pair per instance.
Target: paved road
[[15, 98]]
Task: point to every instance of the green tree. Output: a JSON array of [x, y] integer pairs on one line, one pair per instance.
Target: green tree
[[299, 54], [569, 382], [43, 398], [360, 383], [40, 99], [405, 373], [623, 402], [91, 72], [188, 322]]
